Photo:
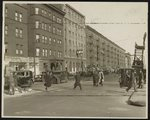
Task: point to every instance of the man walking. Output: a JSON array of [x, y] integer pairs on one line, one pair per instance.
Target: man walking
[[132, 81], [141, 76], [95, 77], [77, 80], [101, 77]]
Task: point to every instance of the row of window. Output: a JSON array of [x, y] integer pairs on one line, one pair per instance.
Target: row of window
[[73, 25], [45, 26], [46, 13], [45, 39], [45, 53], [19, 52], [6, 29], [19, 32], [18, 16], [74, 35], [74, 15], [75, 43]]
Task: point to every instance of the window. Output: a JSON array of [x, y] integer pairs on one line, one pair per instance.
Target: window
[[58, 54], [45, 26], [46, 52], [53, 17], [37, 24], [17, 51], [6, 12], [45, 40], [50, 52], [20, 17], [54, 53], [37, 52], [54, 29], [20, 33], [60, 41], [43, 11], [6, 47], [50, 40], [37, 37], [17, 32], [49, 14], [42, 25], [36, 10], [43, 52], [21, 52], [16, 16], [6, 29], [59, 32], [54, 40], [49, 28], [59, 20]]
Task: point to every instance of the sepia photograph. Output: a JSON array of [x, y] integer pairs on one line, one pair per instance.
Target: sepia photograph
[[74, 60]]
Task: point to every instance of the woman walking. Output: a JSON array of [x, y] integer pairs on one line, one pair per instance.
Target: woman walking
[[48, 79]]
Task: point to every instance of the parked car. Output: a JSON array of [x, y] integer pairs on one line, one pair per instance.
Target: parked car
[[24, 78]]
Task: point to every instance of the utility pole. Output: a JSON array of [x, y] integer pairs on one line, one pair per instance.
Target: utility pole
[[34, 61], [97, 55]]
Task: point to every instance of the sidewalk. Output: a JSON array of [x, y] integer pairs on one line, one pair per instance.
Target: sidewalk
[[36, 88]]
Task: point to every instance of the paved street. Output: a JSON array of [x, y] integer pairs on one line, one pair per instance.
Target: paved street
[[61, 100]]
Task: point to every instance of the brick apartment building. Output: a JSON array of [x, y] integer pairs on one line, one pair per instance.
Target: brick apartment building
[[33, 35], [103, 52], [74, 38], [15, 36], [45, 35]]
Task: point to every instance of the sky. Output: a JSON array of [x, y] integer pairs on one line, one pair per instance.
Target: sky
[[124, 15]]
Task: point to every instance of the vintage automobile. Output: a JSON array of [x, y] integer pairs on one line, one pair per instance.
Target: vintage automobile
[[123, 82], [24, 78]]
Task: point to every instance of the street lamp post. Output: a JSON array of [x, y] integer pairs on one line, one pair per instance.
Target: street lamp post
[[80, 52]]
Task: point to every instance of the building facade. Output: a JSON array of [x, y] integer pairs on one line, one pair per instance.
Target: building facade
[[102, 52], [74, 38], [33, 37], [46, 36], [15, 36], [128, 60]]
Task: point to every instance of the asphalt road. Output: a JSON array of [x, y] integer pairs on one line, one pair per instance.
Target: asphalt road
[[62, 101]]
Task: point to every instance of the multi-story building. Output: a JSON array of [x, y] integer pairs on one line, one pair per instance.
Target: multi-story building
[[15, 36], [127, 60], [34, 37], [74, 38], [103, 52], [45, 34]]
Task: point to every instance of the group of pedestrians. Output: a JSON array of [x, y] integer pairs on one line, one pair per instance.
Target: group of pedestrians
[[98, 78], [135, 80]]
